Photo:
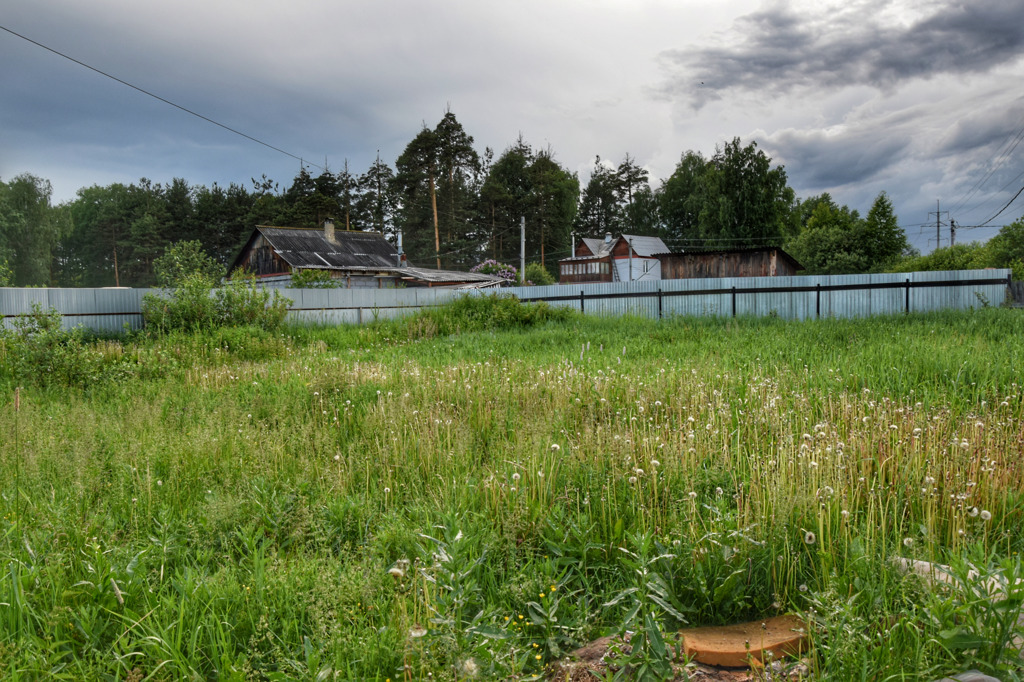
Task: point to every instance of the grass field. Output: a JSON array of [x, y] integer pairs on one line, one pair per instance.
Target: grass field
[[398, 501]]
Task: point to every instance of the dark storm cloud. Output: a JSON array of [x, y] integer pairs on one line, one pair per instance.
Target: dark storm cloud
[[815, 159], [779, 49]]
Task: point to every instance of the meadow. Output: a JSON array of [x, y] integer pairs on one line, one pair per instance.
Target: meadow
[[472, 493]]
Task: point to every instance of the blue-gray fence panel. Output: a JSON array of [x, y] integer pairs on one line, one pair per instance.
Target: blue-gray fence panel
[[787, 297]]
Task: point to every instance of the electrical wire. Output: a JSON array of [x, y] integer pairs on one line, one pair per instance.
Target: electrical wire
[[162, 99]]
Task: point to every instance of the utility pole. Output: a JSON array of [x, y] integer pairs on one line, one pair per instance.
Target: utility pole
[[522, 248], [630, 243], [952, 232], [938, 224]]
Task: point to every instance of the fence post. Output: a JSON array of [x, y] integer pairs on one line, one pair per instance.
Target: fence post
[[581, 301], [906, 310], [734, 301], [817, 302], [659, 304]]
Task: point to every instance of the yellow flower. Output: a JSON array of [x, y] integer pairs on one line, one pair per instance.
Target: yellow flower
[[520, 616], [537, 657], [552, 588], [541, 595]]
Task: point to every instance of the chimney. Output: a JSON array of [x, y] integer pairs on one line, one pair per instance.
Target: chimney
[[329, 230], [607, 237], [401, 254]]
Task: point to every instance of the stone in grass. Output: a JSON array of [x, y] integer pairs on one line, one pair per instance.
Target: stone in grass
[[736, 646], [970, 676]]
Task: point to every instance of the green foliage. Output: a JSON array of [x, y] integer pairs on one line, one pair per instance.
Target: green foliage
[[195, 306], [734, 195], [313, 279], [38, 351], [538, 275], [836, 240], [969, 256], [6, 275], [647, 602], [233, 511], [30, 229], [183, 260], [493, 312]]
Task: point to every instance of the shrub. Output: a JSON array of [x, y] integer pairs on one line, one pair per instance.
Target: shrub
[[193, 305], [183, 260], [493, 267], [536, 274], [483, 313], [313, 279], [38, 350]]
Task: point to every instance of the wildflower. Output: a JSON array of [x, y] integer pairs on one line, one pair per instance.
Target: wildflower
[[986, 515], [555, 447], [159, 482], [972, 512], [908, 542], [632, 480], [417, 631], [810, 538], [718, 491], [803, 587], [655, 463], [337, 458], [396, 573], [387, 491], [639, 472], [692, 494], [540, 474], [553, 588], [515, 477]]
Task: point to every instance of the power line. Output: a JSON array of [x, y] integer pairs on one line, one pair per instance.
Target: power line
[[162, 99]]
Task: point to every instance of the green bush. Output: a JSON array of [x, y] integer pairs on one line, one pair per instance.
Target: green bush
[[194, 305], [183, 260], [313, 279], [37, 350], [538, 275], [479, 313]]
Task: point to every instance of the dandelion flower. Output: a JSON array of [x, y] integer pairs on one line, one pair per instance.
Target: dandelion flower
[[986, 515], [908, 542], [810, 538]]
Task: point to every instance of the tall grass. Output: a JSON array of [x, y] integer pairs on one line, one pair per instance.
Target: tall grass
[[231, 508]]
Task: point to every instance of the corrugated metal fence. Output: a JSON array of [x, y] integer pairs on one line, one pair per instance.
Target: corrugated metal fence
[[788, 297]]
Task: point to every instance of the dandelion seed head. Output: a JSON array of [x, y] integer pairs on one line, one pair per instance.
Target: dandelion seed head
[[810, 538], [986, 515]]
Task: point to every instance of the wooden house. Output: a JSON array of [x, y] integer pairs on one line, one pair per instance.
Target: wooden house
[[356, 259], [754, 262], [626, 258]]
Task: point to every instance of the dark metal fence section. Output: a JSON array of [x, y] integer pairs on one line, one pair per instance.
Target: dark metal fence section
[[785, 297]]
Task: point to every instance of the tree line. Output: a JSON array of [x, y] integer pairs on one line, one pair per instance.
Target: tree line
[[454, 208]]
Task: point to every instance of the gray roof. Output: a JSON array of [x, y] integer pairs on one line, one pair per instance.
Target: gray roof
[[643, 247], [598, 246], [309, 248]]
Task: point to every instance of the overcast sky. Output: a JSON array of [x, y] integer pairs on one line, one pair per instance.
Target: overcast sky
[[922, 99]]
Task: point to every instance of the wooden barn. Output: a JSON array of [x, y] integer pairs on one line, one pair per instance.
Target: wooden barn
[[754, 262], [627, 258], [356, 259]]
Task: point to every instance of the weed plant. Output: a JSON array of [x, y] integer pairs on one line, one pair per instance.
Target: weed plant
[[466, 493]]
